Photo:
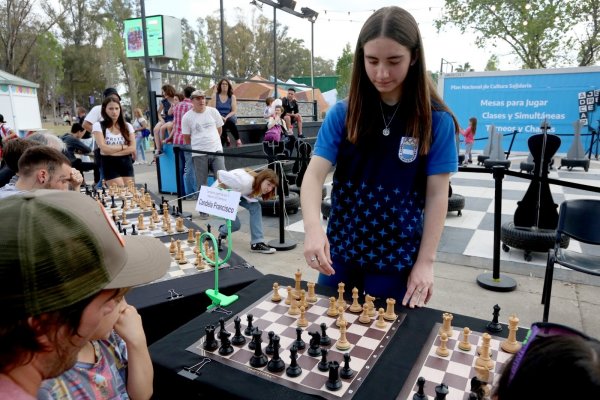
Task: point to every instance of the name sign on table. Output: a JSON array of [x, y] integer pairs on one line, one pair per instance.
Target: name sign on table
[[218, 202]]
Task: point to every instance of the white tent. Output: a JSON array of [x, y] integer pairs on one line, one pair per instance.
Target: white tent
[[19, 103]]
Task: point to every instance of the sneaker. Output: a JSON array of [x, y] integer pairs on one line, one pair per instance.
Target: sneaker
[[204, 215], [158, 153], [262, 248]]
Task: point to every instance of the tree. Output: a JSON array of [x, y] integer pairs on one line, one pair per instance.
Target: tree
[[466, 67], [323, 67], [588, 14], [534, 29], [492, 64], [343, 68]]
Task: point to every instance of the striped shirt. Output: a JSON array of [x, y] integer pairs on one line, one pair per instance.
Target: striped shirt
[[179, 111]]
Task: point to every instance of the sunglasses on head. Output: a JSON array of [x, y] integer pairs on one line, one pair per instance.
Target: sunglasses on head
[[544, 330]]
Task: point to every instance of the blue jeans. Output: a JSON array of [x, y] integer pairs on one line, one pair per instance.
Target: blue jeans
[[140, 149], [189, 176], [256, 227]]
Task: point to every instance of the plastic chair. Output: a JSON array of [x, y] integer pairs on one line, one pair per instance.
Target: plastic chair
[[577, 219]]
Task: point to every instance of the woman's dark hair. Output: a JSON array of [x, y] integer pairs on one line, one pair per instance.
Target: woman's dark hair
[[108, 123], [556, 367], [419, 97], [2, 121], [473, 122], [168, 90], [229, 87]]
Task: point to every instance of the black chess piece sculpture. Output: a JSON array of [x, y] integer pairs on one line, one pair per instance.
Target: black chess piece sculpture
[[314, 348], [325, 340], [259, 359], [222, 324], [441, 391], [333, 381], [252, 344], [299, 343], [238, 339], [346, 372], [134, 232], [269, 349], [494, 325], [248, 330], [276, 364], [226, 347], [294, 369], [420, 395], [210, 343], [323, 364]]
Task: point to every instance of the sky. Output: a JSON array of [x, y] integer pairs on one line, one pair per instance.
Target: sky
[[340, 21]]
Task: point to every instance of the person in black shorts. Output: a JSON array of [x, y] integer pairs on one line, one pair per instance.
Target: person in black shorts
[[291, 113]]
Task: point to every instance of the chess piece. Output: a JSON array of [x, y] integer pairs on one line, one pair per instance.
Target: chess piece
[[446, 325], [269, 349], [340, 301], [325, 340], [124, 218], [199, 262], [172, 247], [248, 330], [312, 297], [179, 224], [342, 343], [238, 339], [222, 325], [293, 370], [464, 344], [302, 321], [341, 318], [314, 348], [288, 299], [276, 298], [484, 359], [141, 226], [112, 202], [370, 305], [511, 345], [294, 310], [190, 238], [390, 315], [420, 395], [298, 287], [210, 343], [482, 374], [182, 258], [119, 226], [197, 243], [355, 307], [276, 364], [381, 320], [333, 381], [346, 372], [151, 226], [226, 347], [299, 343], [303, 302], [124, 231], [364, 317], [332, 311], [258, 359], [441, 391], [124, 205], [323, 364], [442, 349], [494, 325], [134, 232]]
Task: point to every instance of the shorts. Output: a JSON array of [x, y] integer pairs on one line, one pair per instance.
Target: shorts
[[117, 167]]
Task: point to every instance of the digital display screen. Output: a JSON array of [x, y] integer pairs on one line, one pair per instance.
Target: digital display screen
[[134, 45]]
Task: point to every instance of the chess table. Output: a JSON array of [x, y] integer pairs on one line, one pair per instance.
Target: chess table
[[385, 380]]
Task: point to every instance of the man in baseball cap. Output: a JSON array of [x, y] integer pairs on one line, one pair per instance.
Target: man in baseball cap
[[62, 261]]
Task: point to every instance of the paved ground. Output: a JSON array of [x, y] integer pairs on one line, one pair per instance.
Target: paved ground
[[573, 303]]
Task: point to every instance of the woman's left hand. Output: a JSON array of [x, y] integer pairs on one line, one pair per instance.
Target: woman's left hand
[[419, 288]]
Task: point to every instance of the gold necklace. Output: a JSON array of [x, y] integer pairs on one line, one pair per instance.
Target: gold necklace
[[386, 130]]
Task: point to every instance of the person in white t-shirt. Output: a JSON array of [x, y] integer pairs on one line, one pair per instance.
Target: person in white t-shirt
[[116, 141], [201, 127]]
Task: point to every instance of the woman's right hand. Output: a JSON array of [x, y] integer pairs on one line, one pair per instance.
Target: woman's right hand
[[316, 251]]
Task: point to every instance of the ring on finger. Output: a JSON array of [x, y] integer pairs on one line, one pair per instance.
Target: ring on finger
[[313, 258]]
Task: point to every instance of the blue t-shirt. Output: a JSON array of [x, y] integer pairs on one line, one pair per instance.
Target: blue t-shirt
[[378, 192]]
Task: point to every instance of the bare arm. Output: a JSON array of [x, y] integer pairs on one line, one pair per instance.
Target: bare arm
[[87, 125], [105, 149], [233, 107], [436, 207], [316, 243]]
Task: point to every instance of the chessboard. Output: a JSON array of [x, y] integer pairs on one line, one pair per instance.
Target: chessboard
[[455, 370], [157, 229], [367, 343], [189, 267]]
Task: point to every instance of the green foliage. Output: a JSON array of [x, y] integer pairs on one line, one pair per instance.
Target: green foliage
[[343, 68], [492, 64], [466, 67]]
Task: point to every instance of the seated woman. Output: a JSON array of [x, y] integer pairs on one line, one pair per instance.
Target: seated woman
[[226, 103], [555, 362], [116, 141], [276, 126], [251, 185], [168, 100]]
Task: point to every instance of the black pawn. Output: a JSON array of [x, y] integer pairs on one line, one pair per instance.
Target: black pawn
[[294, 369], [123, 204], [258, 360], [333, 382], [420, 395], [103, 191], [133, 230], [124, 231], [276, 364], [325, 340], [112, 201], [145, 187], [226, 347], [314, 348], [252, 344], [441, 391], [119, 226], [248, 330], [103, 202], [210, 343], [323, 364], [494, 325], [269, 349], [346, 372], [238, 339], [299, 343], [222, 324], [174, 210]]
